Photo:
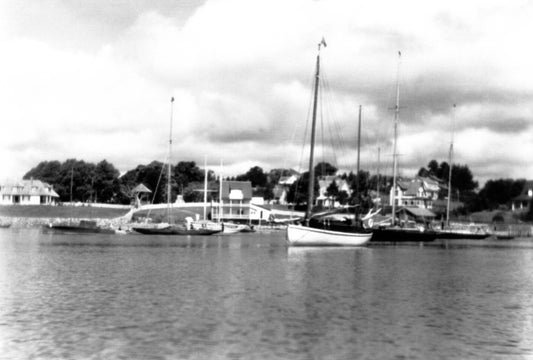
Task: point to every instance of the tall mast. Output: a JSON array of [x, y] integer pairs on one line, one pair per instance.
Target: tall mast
[[358, 151], [450, 171], [377, 180], [205, 184], [312, 149], [169, 161], [394, 152], [220, 194]]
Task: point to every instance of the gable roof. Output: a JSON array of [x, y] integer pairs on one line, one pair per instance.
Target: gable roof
[[141, 188], [244, 186], [418, 212], [28, 187]]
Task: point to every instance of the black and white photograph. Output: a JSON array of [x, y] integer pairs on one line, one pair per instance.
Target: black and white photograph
[[252, 179]]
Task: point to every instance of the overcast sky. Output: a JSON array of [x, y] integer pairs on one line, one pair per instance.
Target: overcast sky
[[93, 81]]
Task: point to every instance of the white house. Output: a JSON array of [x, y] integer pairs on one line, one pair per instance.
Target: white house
[[27, 192], [235, 201], [324, 182], [420, 192], [282, 187]]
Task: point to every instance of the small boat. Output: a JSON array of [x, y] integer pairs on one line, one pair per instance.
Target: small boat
[[461, 234], [5, 226], [247, 229], [83, 227], [173, 230], [504, 237], [314, 231]]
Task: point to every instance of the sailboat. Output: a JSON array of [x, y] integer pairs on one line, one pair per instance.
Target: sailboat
[[170, 228], [394, 233], [317, 230], [464, 232]]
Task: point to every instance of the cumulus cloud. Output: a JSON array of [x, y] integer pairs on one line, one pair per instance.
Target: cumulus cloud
[[94, 81]]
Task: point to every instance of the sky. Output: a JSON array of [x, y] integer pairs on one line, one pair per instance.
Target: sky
[[93, 81]]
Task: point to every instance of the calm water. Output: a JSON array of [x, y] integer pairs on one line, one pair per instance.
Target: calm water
[[250, 297]]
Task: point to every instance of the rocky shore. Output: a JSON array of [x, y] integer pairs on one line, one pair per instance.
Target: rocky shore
[[29, 222]]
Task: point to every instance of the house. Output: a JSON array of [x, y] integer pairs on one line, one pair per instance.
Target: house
[[28, 192], [324, 183], [522, 202], [282, 187], [420, 192], [235, 201]]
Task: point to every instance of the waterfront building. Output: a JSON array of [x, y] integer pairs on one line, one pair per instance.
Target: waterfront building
[[28, 192], [235, 199]]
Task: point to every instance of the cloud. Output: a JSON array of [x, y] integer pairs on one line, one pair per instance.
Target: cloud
[[94, 81]]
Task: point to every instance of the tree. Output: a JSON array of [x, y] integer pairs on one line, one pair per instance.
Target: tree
[[186, 172], [256, 176], [499, 192], [105, 186], [298, 191], [332, 190], [462, 178], [47, 171], [325, 169], [433, 167]]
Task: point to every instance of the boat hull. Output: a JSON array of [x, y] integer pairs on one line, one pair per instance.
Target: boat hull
[[299, 235], [74, 229], [172, 230], [402, 235], [461, 235]]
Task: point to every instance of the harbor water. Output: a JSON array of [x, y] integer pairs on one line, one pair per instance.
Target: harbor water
[[249, 296]]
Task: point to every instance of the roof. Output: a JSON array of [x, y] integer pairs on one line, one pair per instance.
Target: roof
[[29, 187], [244, 186], [141, 188], [412, 188], [288, 180], [418, 212]]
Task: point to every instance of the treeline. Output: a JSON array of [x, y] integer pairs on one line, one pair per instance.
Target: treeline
[[77, 180], [495, 194], [80, 181]]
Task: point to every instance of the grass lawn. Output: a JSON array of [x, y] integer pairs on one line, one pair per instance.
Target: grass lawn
[[45, 211]]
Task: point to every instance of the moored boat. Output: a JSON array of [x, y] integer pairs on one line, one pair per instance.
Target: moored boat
[[82, 227], [314, 232], [173, 230]]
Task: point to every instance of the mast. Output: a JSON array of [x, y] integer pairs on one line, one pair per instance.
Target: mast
[[312, 149], [450, 171], [205, 184], [394, 152], [358, 151], [377, 180], [169, 162], [220, 194]]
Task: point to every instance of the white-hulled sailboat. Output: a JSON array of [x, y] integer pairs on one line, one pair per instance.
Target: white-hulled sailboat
[[314, 232]]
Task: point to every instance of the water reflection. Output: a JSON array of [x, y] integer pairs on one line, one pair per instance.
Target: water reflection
[[252, 297]]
